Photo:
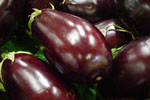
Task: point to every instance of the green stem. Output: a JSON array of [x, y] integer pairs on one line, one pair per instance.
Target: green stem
[[11, 57], [120, 29], [52, 6], [32, 16]]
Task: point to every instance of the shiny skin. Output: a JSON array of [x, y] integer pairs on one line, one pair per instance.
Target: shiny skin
[[114, 38], [130, 72], [28, 78], [136, 13], [92, 10], [10, 12], [76, 48]]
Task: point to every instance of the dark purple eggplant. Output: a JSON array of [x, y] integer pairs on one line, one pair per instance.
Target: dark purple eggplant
[[115, 36], [10, 11], [136, 13], [92, 10], [130, 75], [77, 49], [25, 77]]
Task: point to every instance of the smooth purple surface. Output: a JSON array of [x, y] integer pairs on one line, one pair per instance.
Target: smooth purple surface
[[130, 71], [76, 48], [28, 78]]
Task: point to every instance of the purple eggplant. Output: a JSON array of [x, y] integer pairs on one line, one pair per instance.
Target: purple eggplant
[[25, 77], [10, 11], [130, 75], [115, 36], [136, 13], [77, 49], [92, 10]]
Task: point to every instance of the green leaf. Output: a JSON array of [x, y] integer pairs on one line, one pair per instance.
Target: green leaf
[[86, 92]]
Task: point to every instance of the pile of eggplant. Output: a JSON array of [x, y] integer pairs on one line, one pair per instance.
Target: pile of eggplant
[[75, 50]]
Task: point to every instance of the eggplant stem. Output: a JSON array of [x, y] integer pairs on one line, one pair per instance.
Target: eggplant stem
[[52, 6], [32, 16], [120, 29], [11, 57], [63, 2]]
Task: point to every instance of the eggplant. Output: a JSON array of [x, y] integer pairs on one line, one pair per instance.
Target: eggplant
[[25, 77], [11, 12], [130, 76], [135, 13], [114, 32], [92, 10], [74, 46]]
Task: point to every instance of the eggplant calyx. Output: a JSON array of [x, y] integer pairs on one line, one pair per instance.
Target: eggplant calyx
[[63, 2], [2, 87], [52, 6], [32, 16], [120, 29], [10, 56]]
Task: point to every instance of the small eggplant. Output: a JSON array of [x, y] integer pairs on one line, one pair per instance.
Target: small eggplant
[[114, 32], [11, 11], [25, 77], [76, 47]]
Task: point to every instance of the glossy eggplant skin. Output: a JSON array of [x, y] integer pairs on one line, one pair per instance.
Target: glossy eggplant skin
[[76, 48], [114, 38], [92, 10], [28, 78], [130, 72], [136, 13], [10, 11]]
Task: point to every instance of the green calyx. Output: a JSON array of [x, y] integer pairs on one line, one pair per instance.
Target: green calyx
[[120, 29], [52, 6], [11, 57], [32, 16]]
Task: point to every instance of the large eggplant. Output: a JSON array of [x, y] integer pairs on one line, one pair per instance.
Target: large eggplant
[[135, 13], [11, 11], [25, 77], [92, 10], [130, 77], [76, 47]]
